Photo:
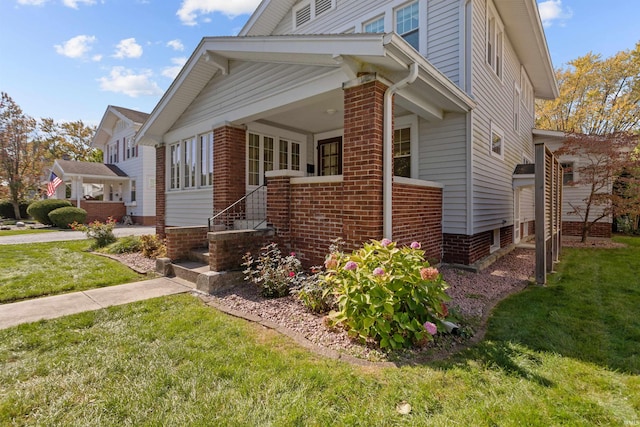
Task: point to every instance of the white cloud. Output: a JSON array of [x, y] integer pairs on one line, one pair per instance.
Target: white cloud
[[552, 10], [32, 2], [76, 47], [128, 48], [191, 9], [175, 44], [123, 80], [74, 3], [172, 72]]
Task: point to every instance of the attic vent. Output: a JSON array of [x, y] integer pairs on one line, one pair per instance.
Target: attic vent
[[322, 6], [303, 15]]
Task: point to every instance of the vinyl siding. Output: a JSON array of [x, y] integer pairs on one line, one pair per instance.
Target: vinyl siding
[[189, 208], [245, 85], [443, 154], [443, 39], [492, 176]]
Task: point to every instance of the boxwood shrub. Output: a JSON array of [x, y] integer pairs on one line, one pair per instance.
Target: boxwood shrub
[[6, 209], [63, 217], [40, 209]]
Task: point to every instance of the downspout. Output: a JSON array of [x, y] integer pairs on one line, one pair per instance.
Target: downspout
[[387, 141]]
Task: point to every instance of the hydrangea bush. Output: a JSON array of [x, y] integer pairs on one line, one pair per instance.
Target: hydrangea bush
[[386, 293]]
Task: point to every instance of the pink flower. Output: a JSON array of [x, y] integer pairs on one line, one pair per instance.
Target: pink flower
[[331, 263], [350, 266], [291, 274], [431, 328], [378, 272], [292, 254], [385, 242], [415, 245], [429, 273]]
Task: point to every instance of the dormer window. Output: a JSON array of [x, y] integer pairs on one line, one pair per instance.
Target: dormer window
[[308, 10]]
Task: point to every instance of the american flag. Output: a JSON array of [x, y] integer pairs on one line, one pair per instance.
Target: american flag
[[54, 181]]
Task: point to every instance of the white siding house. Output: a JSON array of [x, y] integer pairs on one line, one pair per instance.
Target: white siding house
[[462, 77]]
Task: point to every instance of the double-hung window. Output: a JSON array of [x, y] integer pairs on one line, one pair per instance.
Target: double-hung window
[[174, 166], [190, 162], [567, 173], [494, 36], [497, 141], [206, 159], [402, 152], [408, 22], [374, 26]]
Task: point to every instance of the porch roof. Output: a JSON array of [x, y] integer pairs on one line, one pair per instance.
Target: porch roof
[[90, 170], [389, 55]]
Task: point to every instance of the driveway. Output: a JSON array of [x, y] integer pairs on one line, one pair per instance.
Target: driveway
[[57, 236]]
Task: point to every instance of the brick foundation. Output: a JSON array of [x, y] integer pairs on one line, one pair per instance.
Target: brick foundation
[[144, 220], [180, 240], [599, 229], [227, 248], [101, 210], [417, 216], [466, 250]]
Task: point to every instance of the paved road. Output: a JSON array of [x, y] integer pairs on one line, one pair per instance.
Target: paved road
[[57, 236]]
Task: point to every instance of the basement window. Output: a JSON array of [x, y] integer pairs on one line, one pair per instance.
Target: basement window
[[495, 240]]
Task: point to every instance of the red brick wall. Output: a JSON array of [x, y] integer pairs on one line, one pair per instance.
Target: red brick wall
[[143, 220], [417, 216], [599, 229], [506, 236], [227, 248], [463, 249], [180, 240], [362, 162], [160, 190], [316, 220], [229, 166], [100, 210]]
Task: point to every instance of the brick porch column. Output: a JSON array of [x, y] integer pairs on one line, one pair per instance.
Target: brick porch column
[[229, 170], [161, 155], [362, 160]]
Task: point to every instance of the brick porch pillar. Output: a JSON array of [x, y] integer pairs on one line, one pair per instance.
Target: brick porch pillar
[[229, 166], [362, 160], [161, 155]]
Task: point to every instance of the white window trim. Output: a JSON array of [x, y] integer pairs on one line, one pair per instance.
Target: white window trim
[[375, 19], [527, 98], [497, 130], [496, 241], [182, 165], [574, 164], [491, 12], [312, 5], [411, 121]]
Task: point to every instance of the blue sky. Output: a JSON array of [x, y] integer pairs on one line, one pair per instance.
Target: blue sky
[[69, 59]]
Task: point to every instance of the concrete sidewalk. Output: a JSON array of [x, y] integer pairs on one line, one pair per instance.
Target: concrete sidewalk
[[63, 235], [93, 299]]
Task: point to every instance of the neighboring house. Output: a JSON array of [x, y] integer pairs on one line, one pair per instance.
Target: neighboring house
[[125, 183], [574, 194], [367, 119]]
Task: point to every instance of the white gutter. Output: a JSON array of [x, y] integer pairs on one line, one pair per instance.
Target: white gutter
[[387, 141]]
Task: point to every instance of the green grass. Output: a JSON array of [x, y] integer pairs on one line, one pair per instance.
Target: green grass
[[174, 361], [39, 269]]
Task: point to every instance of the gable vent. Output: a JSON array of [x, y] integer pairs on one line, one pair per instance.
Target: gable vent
[[322, 6], [303, 15]]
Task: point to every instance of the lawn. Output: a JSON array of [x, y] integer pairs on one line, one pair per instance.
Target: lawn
[[25, 231], [39, 269], [175, 361]]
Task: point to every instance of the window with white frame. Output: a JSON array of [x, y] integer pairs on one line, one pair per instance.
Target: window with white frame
[[516, 108], [567, 173], [206, 160], [497, 141], [174, 166], [402, 152], [190, 162], [133, 190], [527, 90], [495, 240], [494, 35], [267, 153], [374, 26], [308, 10], [408, 22]]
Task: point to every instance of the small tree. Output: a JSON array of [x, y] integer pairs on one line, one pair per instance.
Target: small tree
[[602, 160]]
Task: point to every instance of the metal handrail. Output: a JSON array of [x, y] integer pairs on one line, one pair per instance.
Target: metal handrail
[[238, 210]]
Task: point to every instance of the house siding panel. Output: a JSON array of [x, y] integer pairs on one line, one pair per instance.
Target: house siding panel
[[442, 151], [189, 208], [492, 176]]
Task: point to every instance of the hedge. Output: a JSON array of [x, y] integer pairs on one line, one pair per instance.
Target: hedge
[[40, 209], [62, 217]]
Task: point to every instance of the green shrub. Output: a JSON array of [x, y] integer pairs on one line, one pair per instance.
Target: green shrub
[[315, 294], [101, 232], [125, 245], [39, 210], [6, 209], [64, 217], [152, 246], [387, 294], [274, 274]]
